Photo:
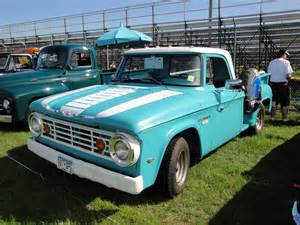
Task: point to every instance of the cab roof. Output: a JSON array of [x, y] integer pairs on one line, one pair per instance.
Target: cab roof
[[177, 50], [68, 46]]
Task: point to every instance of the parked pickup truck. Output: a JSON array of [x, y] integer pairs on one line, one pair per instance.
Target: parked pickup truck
[[165, 108], [59, 69], [16, 62]]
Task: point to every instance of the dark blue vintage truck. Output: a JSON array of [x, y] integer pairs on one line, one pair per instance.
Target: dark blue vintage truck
[[59, 68]]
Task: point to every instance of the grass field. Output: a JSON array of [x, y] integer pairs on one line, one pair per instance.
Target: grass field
[[296, 74], [247, 181]]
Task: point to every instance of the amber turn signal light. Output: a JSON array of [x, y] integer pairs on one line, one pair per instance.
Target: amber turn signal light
[[100, 144], [46, 129]]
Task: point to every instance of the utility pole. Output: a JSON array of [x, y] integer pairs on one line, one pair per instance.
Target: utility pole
[[210, 15], [260, 35], [219, 24]]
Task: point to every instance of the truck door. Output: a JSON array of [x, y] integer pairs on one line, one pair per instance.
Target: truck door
[[226, 111], [82, 70]]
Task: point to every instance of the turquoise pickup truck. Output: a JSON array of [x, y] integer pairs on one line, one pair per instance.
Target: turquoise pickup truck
[[165, 108], [60, 68]]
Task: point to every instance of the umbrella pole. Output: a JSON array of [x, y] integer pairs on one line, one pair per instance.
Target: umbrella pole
[[107, 57]]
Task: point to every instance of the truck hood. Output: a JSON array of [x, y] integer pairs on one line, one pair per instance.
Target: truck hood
[[10, 80], [123, 107]]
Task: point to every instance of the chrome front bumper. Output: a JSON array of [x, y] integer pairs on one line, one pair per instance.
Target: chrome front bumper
[[132, 185], [6, 118]]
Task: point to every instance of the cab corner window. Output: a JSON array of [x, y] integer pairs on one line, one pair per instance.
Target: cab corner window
[[216, 71], [80, 59]]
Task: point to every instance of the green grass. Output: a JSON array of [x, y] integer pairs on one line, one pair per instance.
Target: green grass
[[296, 75], [247, 181]]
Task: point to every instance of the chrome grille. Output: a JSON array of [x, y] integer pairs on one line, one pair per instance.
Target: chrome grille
[[77, 136]]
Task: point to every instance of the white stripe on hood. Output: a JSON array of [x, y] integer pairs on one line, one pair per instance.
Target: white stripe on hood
[[46, 101], [153, 97], [77, 106]]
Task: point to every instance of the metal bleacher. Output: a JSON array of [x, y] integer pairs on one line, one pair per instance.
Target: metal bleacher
[[252, 39]]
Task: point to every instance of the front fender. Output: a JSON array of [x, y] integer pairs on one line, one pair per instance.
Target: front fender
[[23, 97], [155, 141]]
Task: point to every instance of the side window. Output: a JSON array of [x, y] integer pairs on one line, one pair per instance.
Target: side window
[[22, 62], [80, 59], [217, 72]]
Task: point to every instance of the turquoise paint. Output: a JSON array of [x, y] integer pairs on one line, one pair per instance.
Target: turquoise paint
[[216, 113]]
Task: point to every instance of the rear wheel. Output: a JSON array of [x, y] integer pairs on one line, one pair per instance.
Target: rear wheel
[[260, 121], [174, 168]]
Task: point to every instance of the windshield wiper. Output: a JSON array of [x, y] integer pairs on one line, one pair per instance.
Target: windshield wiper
[[140, 80], [151, 77]]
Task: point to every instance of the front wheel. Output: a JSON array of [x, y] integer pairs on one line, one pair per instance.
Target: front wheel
[[175, 166], [260, 121]]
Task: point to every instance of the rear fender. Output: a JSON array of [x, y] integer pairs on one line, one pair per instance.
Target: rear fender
[[266, 96]]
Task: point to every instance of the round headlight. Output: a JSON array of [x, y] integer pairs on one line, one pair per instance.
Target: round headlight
[[6, 104], [35, 124], [124, 149]]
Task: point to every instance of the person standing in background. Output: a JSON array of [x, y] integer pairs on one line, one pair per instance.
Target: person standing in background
[[281, 72]]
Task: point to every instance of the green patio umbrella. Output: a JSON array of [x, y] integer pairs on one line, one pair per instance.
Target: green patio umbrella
[[122, 36]]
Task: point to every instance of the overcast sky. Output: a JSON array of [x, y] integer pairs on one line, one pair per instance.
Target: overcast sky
[[14, 11]]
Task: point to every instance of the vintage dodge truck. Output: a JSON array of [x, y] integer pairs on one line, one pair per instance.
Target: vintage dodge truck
[[59, 68], [165, 108]]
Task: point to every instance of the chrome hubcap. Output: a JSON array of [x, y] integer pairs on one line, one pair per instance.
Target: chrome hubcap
[[181, 168], [259, 120]]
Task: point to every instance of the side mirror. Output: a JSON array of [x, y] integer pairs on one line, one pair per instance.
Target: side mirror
[[235, 84]]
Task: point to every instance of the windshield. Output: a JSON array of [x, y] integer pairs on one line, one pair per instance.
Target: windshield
[[183, 69], [3, 60], [52, 58]]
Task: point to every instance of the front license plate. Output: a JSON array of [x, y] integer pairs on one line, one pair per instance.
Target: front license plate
[[64, 164]]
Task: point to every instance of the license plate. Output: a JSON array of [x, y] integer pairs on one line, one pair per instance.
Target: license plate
[[64, 164]]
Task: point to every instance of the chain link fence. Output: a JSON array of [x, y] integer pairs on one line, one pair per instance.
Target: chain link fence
[[295, 91]]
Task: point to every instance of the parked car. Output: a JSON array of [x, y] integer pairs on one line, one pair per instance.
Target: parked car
[[16, 62], [165, 108], [60, 68]]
